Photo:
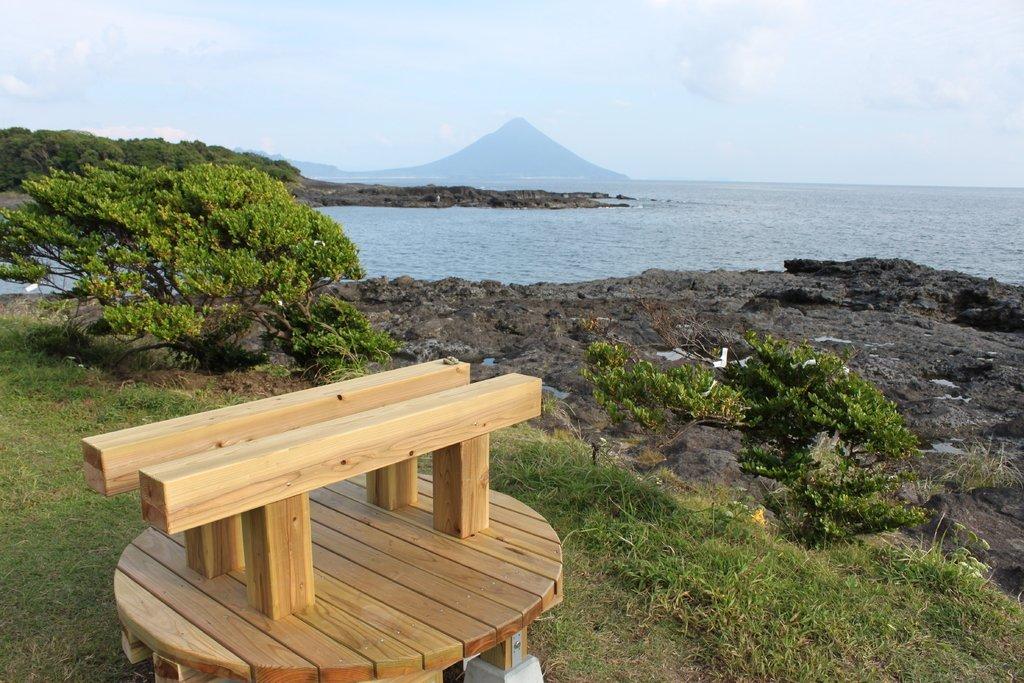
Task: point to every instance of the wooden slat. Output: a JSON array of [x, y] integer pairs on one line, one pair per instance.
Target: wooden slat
[[269, 660], [413, 519], [215, 548], [422, 515], [457, 550], [504, 509], [490, 588], [389, 656], [165, 631], [167, 671], [436, 649], [506, 525], [393, 486], [461, 483], [112, 461], [501, 618], [201, 488], [278, 556], [337, 662]]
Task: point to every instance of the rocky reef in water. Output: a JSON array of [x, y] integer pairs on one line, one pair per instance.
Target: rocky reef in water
[[322, 193], [947, 347]]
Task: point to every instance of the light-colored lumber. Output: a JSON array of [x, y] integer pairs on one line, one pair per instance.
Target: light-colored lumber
[[508, 653], [113, 460], [389, 656], [215, 548], [474, 634], [168, 671], [436, 649], [422, 677], [337, 662], [134, 649], [414, 554], [202, 488], [461, 483], [525, 570], [164, 630], [267, 658], [393, 486], [504, 509], [457, 598], [278, 557]]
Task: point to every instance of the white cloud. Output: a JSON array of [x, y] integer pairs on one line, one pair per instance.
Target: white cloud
[[58, 49], [731, 50], [13, 86], [446, 131], [169, 133]]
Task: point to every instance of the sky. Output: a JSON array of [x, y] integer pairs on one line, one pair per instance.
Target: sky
[[921, 92]]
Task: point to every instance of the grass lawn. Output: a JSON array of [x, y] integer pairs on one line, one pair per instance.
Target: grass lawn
[[661, 584]]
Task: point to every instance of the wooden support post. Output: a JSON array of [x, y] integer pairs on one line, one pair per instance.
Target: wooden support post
[[134, 649], [461, 483], [393, 486], [215, 548], [279, 557], [166, 671], [507, 654]]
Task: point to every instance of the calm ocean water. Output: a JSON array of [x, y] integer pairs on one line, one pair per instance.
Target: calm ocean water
[[694, 226]]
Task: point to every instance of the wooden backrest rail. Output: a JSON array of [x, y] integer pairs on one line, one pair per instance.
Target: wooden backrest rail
[[236, 480], [113, 461]]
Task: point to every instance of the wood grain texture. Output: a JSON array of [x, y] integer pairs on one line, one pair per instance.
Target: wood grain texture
[[440, 589], [202, 488], [461, 483], [336, 662], [279, 557], [474, 634], [134, 649], [503, 655], [396, 599], [216, 548], [166, 631], [414, 554], [113, 460], [268, 659], [167, 671], [393, 486], [491, 557]]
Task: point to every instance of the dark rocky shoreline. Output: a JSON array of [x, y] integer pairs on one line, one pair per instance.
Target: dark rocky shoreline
[[322, 193], [947, 347], [318, 193]]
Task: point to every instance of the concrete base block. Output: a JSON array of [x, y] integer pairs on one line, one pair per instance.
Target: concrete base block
[[527, 671]]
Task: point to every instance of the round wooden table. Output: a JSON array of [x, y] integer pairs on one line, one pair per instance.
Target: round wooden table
[[395, 599]]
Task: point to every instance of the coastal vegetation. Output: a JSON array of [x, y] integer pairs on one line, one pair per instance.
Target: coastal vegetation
[[663, 580], [25, 153], [192, 260], [827, 436]]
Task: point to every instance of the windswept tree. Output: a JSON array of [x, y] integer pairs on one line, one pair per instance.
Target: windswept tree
[[191, 260]]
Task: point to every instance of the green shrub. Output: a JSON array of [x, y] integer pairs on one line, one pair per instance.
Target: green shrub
[[825, 434], [190, 258], [332, 337], [654, 397]]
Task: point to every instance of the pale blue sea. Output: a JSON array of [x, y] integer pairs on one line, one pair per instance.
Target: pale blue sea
[[694, 226]]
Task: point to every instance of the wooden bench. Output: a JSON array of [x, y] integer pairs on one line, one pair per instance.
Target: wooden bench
[[293, 538]]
